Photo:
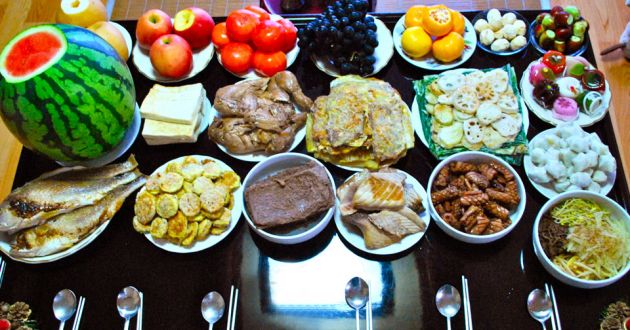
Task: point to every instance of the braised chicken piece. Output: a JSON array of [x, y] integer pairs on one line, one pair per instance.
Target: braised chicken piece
[[259, 114]]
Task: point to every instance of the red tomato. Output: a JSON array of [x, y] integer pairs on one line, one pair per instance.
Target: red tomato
[[219, 35], [237, 57], [269, 64], [5, 324], [267, 36], [240, 24], [289, 35], [262, 14]]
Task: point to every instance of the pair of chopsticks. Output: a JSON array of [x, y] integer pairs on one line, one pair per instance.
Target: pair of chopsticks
[[232, 308], [3, 266], [77, 317], [555, 316], [368, 310], [467, 313]]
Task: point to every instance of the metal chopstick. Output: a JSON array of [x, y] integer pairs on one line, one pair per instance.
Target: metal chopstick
[[465, 302], [234, 308], [140, 312], [555, 307], [229, 320], [368, 314], [3, 266], [77, 318], [553, 314], [469, 324]]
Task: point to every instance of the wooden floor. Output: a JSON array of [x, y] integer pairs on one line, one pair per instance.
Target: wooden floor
[[608, 19]]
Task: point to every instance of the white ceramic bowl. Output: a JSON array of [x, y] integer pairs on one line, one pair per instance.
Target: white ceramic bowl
[[271, 166], [615, 210], [476, 157]]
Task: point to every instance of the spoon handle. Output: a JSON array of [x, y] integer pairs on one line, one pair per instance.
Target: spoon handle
[[126, 324], [357, 317], [543, 324], [448, 323], [211, 324], [61, 325]]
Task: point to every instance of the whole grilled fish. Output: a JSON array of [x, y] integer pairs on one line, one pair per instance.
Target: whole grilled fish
[[64, 191], [65, 230]]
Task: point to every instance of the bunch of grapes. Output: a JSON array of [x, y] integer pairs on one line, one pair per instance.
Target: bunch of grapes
[[345, 34]]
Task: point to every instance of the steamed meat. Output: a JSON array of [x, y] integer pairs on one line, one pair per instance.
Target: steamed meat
[[60, 192], [259, 114], [395, 223], [374, 237], [380, 191]]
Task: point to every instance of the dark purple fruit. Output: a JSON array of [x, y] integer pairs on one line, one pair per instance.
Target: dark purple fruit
[[538, 30], [556, 9], [546, 39], [563, 19], [563, 34], [574, 44]]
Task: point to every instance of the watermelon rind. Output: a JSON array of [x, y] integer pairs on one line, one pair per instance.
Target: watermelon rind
[[77, 108]]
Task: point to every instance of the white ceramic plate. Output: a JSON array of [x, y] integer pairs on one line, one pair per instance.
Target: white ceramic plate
[[584, 120], [251, 73], [5, 247], [259, 155], [354, 236], [417, 123], [141, 60], [212, 239], [383, 52], [119, 150], [428, 61], [126, 35], [547, 189]]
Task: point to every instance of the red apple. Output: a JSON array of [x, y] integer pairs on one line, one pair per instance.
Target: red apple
[[195, 25], [152, 25], [171, 56]]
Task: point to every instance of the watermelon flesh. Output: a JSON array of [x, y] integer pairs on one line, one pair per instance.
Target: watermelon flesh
[[65, 92]]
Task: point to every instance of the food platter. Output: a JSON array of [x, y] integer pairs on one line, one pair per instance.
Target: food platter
[[428, 62], [5, 247], [545, 189], [201, 59], [584, 120], [383, 52], [259, 155], [211, 240], [353, 236]]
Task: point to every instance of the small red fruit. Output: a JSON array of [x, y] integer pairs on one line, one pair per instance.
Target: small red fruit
[[241, 24], [289, 35], [219, 36], [5, 324], [267, 36], [237, 57], [269, 64]]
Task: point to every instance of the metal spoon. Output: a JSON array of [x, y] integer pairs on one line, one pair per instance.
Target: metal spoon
[[539, 306], [212, 307], [128, 303], [357, 295], [64, 306], [448, 302]]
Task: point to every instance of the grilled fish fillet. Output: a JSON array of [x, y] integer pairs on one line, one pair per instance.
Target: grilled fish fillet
[[373, 237], [380, 191], [413, 199], [48, 196], [346, 191], [394, 223], [65, 230]]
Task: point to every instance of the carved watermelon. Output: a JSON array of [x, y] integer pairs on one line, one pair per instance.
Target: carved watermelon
[[65, 92]]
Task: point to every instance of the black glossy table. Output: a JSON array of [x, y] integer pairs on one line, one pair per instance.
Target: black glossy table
[[301, 287]]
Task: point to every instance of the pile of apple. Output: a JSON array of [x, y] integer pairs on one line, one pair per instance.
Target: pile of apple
[[170, 45], [249, 38]]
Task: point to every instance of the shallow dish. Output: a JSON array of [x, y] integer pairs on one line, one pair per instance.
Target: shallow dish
[[515, 216], [383, 52], [547, 190], [270, 166], [487, 49], [353, 235], [428, 61], [534, 42], [251, 73], [211, 240], [584, 120], [142, 61], [616, 211]]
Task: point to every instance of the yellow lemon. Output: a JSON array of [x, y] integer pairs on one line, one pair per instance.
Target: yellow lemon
[[415, 42], [81, 12]]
